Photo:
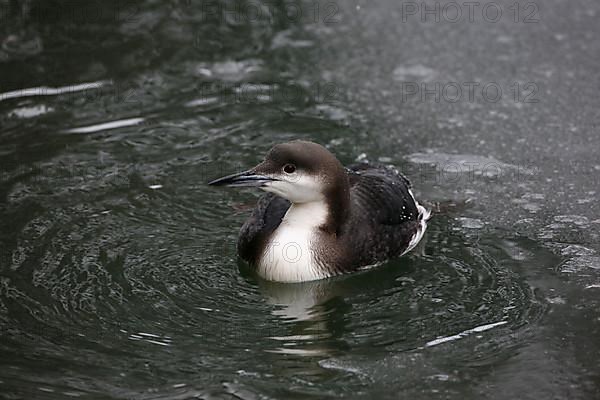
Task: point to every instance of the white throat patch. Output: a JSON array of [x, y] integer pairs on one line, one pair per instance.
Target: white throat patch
[[298, 188], [289, 255]]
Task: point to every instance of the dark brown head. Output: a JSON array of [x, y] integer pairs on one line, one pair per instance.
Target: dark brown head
[[300, 172]]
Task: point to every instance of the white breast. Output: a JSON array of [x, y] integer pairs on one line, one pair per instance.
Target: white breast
[[289, 255]]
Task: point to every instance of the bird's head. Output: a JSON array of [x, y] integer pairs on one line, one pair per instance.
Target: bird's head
[[298, 171]]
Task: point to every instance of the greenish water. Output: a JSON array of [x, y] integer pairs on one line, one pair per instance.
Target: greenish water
[[118, 272]]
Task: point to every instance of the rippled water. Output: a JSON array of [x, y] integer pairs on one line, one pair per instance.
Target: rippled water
[[118, 271]]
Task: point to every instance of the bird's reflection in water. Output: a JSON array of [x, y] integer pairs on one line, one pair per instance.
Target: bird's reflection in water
[[314, 312]]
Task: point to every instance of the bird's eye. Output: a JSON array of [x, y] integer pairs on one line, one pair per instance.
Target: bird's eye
[[289, 168]]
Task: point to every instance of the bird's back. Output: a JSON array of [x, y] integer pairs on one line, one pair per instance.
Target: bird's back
[[384, 214]]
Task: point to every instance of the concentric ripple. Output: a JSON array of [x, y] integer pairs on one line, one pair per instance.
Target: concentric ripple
[[136, 296]]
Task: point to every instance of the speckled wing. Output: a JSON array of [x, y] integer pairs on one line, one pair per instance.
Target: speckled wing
[[382, 192], [265, 218], [384, 212]]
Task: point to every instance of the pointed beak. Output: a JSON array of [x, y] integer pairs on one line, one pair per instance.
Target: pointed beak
[[242, 179]]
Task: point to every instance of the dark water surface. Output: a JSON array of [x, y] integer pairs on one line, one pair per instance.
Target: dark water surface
[[118, 272]]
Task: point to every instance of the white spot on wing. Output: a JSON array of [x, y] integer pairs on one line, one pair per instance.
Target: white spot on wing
[[423, 217]]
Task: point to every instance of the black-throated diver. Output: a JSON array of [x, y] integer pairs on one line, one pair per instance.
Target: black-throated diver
[[321, 219]]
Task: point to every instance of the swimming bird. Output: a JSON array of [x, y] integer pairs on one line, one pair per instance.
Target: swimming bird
[[319, 219]]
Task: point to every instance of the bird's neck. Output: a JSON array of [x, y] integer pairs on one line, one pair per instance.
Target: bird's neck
[[327, 216], [338, 204], [309, 215], [328, 213]]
